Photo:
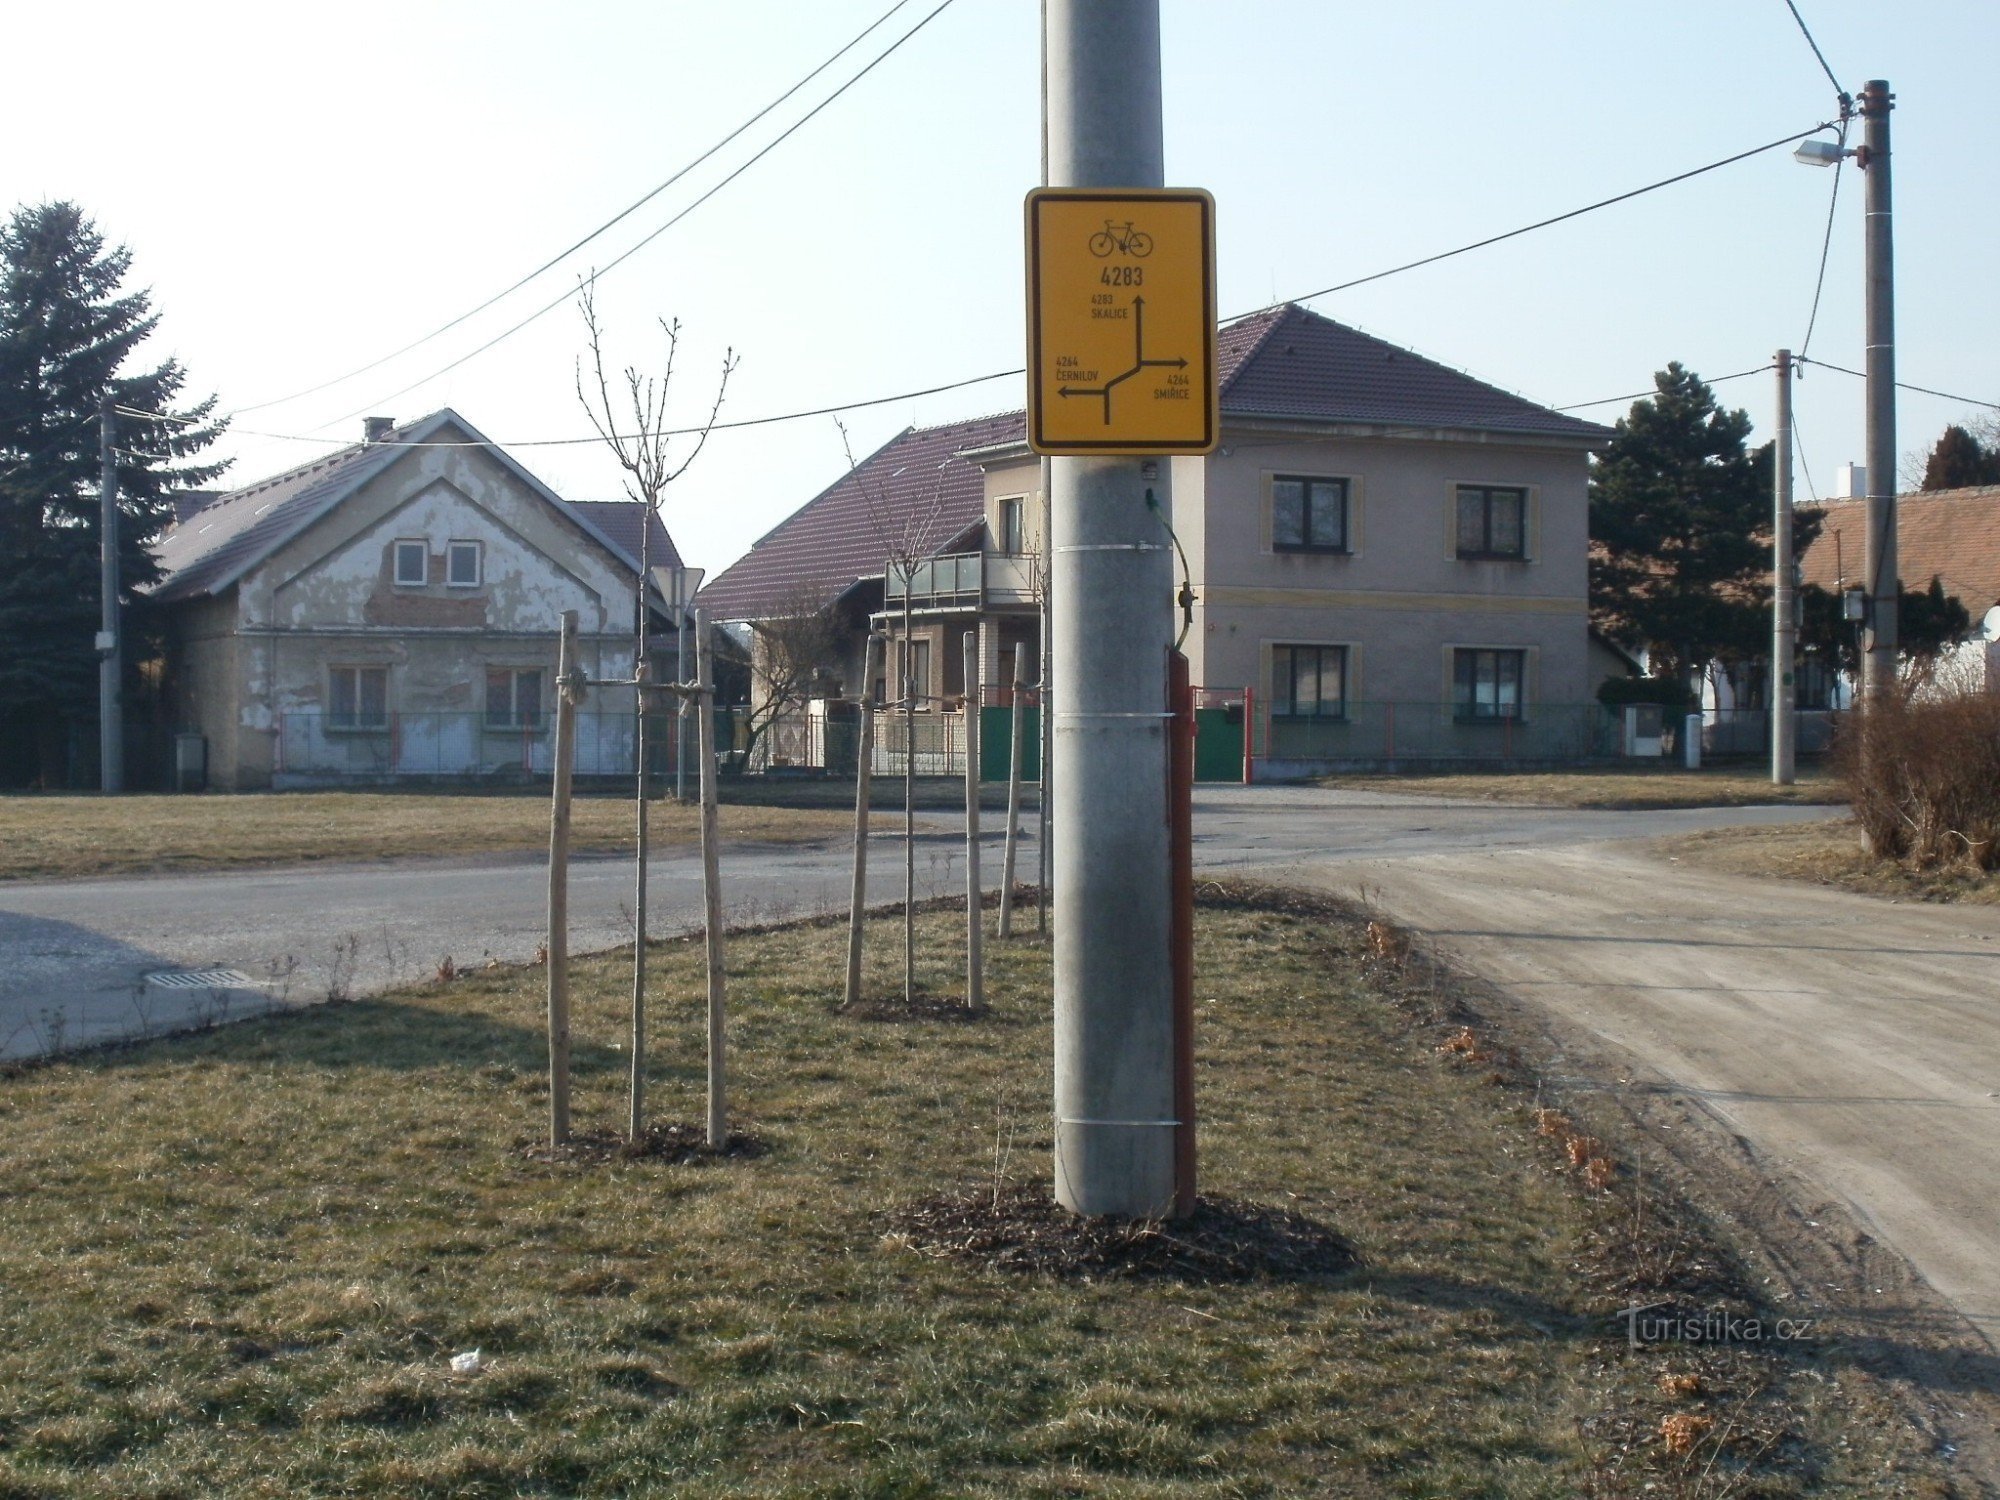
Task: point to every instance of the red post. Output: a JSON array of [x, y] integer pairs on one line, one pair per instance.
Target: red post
[[1249, 735], [1180, 862]]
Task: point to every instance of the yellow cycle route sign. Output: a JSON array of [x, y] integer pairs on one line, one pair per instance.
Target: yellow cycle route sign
[[1121, 321]]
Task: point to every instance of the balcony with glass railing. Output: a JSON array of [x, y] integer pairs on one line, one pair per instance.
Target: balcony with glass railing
[[963, 581]]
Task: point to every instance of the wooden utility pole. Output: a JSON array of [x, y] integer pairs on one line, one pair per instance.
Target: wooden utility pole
[[1014, 746], [711, 883], [864, 778], [110, 651], [569, 692], [975, 916]]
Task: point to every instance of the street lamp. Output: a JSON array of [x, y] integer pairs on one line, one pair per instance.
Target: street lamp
[[1880, 580]]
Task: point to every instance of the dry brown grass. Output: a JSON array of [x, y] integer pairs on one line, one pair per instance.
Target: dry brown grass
[[1609, 787], [239, 1263], [61, 837], [1828, 853]]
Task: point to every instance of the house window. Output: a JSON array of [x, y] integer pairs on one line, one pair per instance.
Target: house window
[[513, 697], [357, 698], [917, 669], [412, 564], [1012, 532], [1492, 521], [464, 564], [1309, 682], [1487, 684], [1308, 515]]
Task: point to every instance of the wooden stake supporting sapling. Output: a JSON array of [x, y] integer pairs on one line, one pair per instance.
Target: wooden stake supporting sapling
[[711, 885], [975, 921], [1014, 742], [863, 789], [569, 694]]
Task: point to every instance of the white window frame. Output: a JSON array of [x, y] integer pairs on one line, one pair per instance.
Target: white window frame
[[452, 550], [396, 562], [513, 719], [1013, 518], [355, 723]]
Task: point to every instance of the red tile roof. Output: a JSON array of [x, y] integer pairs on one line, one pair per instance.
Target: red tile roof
[[1949, 534], [1284, 363], [914, 488]]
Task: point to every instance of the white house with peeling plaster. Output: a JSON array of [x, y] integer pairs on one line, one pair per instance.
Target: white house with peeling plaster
[[391, 610]]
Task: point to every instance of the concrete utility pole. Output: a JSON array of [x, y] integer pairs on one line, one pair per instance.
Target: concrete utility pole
[[110, 651], [1878, 675], [1111, 597], [1784, 611]]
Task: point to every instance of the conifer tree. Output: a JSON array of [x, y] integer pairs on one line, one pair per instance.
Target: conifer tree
[[1680, 530], [1959, 460], [67, 342]]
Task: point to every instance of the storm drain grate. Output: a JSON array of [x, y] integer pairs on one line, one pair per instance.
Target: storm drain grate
[[201, 979]]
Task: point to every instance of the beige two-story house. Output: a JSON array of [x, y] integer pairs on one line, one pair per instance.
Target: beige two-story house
[[1388, 557]]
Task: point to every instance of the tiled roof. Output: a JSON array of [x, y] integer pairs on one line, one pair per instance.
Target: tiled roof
[[913, 487], [209, 549], [1285, 363], [1949, 534], [1288, 362], [215, 543], [618, 522]]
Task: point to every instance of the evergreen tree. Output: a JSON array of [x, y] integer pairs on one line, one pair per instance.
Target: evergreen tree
[[1959, 460], [1680, 530], [67, 337]]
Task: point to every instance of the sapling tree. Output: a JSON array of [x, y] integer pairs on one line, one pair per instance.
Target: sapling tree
[[651, 459]]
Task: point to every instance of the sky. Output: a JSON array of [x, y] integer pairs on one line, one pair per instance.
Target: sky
[[309, 188]]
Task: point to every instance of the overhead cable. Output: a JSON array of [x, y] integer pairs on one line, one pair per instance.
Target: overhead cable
[[608, 224], [615, 262]]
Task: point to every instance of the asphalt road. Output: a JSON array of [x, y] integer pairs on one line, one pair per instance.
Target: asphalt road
[[1854, 1041]]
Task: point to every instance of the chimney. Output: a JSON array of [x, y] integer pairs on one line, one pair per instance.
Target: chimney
[[376, 429], [1850, 482]]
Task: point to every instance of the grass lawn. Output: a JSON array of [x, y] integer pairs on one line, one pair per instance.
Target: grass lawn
[[1611, 787], [58, 837], [1829, 854], [239, 1263]]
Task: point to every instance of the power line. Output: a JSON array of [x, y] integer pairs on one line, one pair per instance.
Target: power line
[[1643, 395], [1826, 244], [1573, 213], [1004, 374], [608, 224], [1904, 385], [1846, 99], [549, 307]]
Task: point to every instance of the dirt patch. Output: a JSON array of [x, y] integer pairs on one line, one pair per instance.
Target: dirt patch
[[1828, 854], [1020, 1227], [677, 1142], [924, 1005]]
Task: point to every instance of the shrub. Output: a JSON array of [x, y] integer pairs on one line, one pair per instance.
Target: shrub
[[1672, 694], [1923, 773]]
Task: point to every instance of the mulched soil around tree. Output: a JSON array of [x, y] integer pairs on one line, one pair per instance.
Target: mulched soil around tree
[[1020, 1227], [677, 1143]]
